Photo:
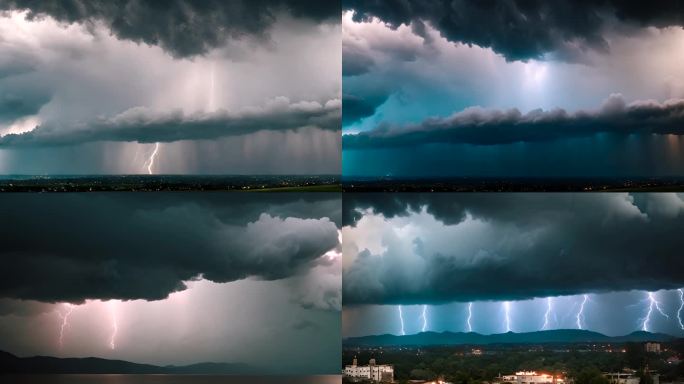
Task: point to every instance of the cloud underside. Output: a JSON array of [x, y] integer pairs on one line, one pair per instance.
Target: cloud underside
[[146, 126], [473, 247], [522, 30], [491, 127], [72, 247], [182, 28]]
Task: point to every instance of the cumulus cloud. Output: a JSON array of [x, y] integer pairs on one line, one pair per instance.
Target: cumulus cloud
[[522, 30], [147, 126], [481, 126], [73, 247], [182, 28], [416, 248]]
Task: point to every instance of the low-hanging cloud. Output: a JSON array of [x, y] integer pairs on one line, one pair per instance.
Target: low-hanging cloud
[[470, 247], [144, 125], [480, 126], [522, 30], [182, 28], [76, 247]]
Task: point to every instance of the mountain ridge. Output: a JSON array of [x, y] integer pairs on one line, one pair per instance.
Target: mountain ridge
[[467, 338], [10, 363]]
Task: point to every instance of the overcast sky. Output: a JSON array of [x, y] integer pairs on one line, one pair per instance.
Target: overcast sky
[[512, 88], [174, 278], [229, 88], [448, 250]]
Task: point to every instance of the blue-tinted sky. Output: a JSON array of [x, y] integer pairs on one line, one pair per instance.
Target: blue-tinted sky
[[413, 83], [443, 251]]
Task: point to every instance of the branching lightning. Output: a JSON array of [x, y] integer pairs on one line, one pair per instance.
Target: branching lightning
[[65, 322], [681, 306], [580, 314], [549, 307], [424, 316], [401, 321], [507, 311], [150, 162], [470, 316], [115, 325], [653, 303]]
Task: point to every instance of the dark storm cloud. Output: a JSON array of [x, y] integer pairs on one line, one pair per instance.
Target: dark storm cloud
[[13, 106], [182, 28], [137, 246], [518, 246], [490, 127], [145, 126], [357, 107], [522, 29]]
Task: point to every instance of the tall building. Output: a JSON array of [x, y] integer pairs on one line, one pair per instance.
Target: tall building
[[375, 372], [653, 347]]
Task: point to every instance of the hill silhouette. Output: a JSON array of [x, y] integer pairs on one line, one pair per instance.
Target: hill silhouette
[[10, 363], [473, 338]]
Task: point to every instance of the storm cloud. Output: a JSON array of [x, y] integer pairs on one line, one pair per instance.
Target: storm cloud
[[182, 28], [431, 249], [481, 126], [522, 30], [146, 126], [69, 248]]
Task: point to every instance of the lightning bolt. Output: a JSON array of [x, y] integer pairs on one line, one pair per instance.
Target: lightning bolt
[[549, 307], [507, 311], [653, 303], [424, 316], [65, 322], [150, 162], [401, 321], [580, 313], [115, 325], [681, 306], [470, 316]]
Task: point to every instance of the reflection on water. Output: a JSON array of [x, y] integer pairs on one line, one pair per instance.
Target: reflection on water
[[167, 379]]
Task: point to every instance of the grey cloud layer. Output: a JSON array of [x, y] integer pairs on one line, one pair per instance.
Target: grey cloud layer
[[515, 246], [183, 28], [145, 126], [489, 127], [76, 247], [521, 30]]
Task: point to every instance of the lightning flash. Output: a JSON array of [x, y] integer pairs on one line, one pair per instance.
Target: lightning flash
[[115, 325], [65, 321], [150, 162], [653, 303], [424, 316], [507, 311], [580, 314], [401, 321], [681, 306], [549, 307], [470, 316]]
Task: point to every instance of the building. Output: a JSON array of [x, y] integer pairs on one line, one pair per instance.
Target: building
[[380, 373], [532, 377], [628, 376], [653, 347]]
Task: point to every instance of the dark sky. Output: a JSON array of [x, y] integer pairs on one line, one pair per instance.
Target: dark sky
[[495, 88], [234, 87], [447, 250], [191, 277]]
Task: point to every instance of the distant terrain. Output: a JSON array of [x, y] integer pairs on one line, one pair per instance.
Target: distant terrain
[[10, 363], [473, 338], [143, 183], [511, 184]]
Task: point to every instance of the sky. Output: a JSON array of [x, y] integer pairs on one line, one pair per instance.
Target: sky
[[512, 89], [592, 261], [170, 278], [240, 87]]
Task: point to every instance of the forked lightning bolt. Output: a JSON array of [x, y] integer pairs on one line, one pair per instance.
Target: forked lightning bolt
[[470, 316], [401, 321], [150, 162], [65, 322], [580, 314], [549, 306], [653, 303], [507, 311], [424, 316], [681, 306]]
